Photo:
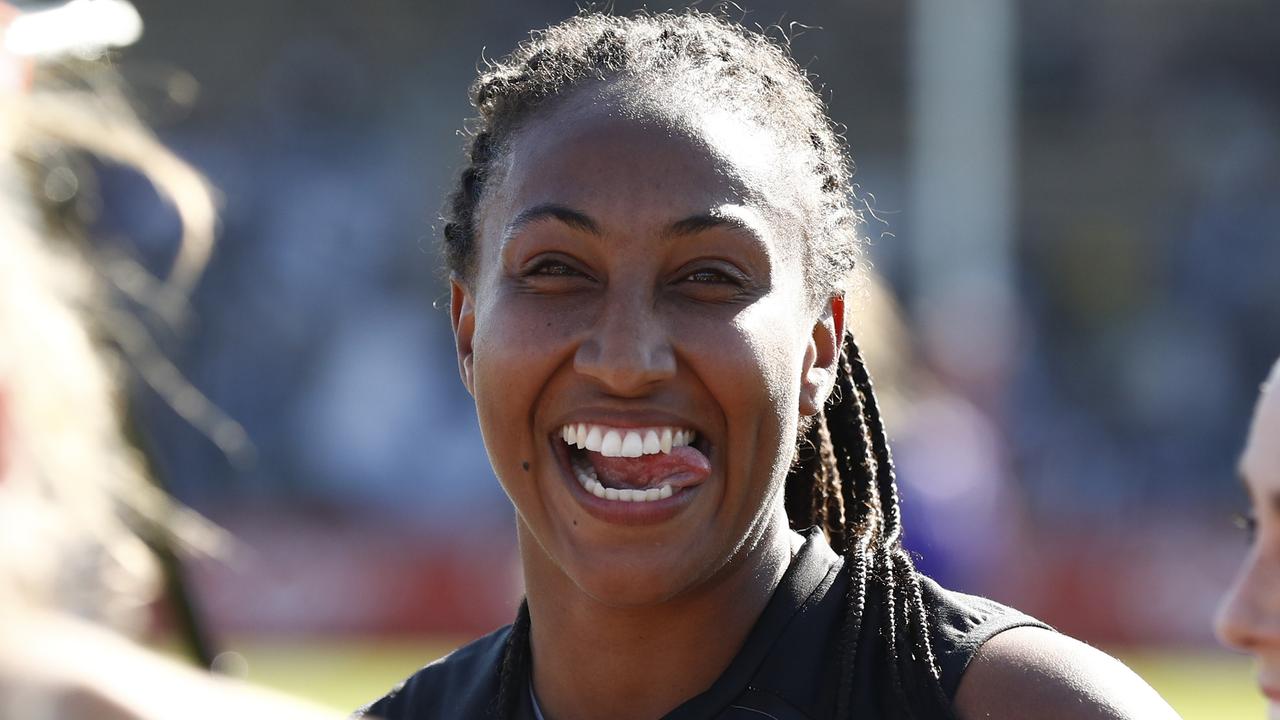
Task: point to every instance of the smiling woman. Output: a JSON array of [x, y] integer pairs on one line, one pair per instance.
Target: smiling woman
[[649, 254]]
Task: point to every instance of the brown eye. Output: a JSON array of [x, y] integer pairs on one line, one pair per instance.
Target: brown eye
[[554, 268], [718, 274], [709, 276]]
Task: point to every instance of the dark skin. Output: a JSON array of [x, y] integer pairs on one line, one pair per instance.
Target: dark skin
[[642, 264]]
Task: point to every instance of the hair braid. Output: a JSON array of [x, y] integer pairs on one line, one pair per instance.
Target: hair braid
[[513, 674], [905, 614]]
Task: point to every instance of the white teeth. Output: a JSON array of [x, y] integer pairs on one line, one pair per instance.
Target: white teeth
[[624, 442], [612, 445], [651, 443], [632, 445], [588, 481]]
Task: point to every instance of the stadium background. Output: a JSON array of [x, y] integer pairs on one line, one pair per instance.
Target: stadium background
[[1077, 207]]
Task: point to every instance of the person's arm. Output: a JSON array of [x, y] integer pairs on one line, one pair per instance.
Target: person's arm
[[1038, 674]]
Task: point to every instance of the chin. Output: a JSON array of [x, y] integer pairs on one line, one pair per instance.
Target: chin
[[624, 582]]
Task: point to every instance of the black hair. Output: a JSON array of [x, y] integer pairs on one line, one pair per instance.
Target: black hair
[[843, 479]]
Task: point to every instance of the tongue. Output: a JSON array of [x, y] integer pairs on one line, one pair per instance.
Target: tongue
[[682, 467]]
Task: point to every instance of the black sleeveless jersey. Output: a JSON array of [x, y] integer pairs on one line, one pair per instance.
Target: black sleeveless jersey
[[788, 669]]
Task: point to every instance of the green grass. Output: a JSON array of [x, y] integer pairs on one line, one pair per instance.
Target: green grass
[[1201, 685]]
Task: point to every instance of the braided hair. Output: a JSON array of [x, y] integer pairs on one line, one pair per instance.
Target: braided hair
[[843, 479]]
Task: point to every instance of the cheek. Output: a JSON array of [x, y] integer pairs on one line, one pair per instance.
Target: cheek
[[517, 346], [752, 366]]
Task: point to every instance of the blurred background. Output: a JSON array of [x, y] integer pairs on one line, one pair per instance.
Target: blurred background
[[1074, 208]]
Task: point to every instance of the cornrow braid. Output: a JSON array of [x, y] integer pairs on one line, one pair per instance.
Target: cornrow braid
[[515, 667], [843, 479]]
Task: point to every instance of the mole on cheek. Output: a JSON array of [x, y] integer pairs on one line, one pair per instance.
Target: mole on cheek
[[525, 465]]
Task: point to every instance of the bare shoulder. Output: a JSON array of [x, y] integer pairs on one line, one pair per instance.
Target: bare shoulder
[[1031, 672]]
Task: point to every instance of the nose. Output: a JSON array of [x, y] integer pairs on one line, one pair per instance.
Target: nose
[[1249, 617], [628, 349]]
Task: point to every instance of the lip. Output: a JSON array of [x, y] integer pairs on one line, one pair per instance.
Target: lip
[[622, 513]]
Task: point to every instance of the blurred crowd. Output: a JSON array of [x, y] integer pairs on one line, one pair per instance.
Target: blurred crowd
[[1146, 248]]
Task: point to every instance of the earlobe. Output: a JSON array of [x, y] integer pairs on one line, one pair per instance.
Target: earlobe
[[822, 358], [462, 314]]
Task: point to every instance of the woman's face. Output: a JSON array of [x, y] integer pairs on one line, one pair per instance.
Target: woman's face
[[639, 290], [1249, 618]]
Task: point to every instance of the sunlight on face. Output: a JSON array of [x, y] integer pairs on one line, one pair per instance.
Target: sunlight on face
[[1249, 619]]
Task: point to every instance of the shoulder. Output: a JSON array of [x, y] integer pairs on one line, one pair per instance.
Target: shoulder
[[961, 625], [460, 685], [1028, 672]]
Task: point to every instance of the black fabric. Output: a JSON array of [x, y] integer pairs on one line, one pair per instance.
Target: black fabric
[[787, 669]]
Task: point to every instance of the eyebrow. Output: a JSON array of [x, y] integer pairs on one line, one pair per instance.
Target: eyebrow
[[691, 225], [552, 211], [706, 221]]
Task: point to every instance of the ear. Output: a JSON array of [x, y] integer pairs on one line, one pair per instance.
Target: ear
[[822, 357], [462, 311]]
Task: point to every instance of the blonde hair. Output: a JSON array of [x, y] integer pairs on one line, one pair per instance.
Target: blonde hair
[[75, 503]]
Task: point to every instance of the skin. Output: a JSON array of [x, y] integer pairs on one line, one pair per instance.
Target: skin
[[599, 310], [1249, 618]]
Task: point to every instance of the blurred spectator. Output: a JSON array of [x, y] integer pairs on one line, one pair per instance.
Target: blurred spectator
[[76, 511]]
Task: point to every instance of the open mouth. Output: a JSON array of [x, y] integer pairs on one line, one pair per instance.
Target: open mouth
[[635, 464]]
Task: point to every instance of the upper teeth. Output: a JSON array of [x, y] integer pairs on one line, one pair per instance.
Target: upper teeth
[[625, 442]]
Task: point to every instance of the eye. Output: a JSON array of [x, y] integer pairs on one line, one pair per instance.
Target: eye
[[1247, 522], [713, 272], [710, 276], [715, 281], [553, 267]]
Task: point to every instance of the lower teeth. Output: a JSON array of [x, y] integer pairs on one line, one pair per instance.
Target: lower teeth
[[593, 486]]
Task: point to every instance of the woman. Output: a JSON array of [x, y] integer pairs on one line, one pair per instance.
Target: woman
[[1249, 619], [649, 254]]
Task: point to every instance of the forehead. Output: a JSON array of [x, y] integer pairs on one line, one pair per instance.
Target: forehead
[[1260, 463], [628, 160]]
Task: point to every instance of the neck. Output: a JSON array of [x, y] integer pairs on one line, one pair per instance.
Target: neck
[[587, 655]]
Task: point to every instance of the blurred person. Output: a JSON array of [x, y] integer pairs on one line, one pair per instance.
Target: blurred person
[[77, 575], [649, 252], [1249, 619], [949, 457]]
